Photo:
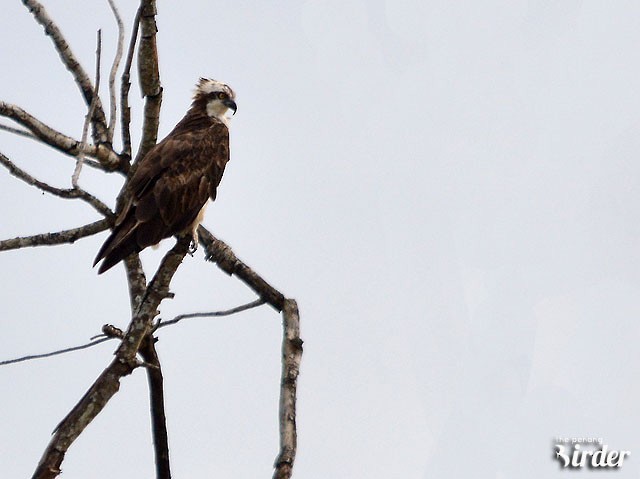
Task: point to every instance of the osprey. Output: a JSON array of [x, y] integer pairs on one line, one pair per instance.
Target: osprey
[[169, 190]]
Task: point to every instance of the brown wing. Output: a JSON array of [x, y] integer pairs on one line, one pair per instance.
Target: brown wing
[[169, 188]]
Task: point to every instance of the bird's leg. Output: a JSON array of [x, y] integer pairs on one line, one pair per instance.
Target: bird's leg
[[193, 245]]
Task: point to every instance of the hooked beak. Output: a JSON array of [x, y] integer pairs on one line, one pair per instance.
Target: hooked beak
[[229, 103]]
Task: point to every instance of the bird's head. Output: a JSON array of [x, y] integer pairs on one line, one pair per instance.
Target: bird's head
[[216, 97]]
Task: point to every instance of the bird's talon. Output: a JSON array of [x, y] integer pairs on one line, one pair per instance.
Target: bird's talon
[[193, 247]]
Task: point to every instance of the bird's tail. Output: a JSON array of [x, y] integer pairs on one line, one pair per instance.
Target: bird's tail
[[118, 246]]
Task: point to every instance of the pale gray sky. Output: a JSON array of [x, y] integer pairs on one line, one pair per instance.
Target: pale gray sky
[[449, 191]]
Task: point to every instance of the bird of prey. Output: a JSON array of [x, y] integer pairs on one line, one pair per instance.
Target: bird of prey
[[169, 190]]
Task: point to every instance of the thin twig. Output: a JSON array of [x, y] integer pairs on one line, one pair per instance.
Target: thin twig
[[87, 120], [17, 131], [69, 60], [111, 332], [114, 70], [56, 238], [70, 193], [210, 314], [31, 136], [125, 86], [54, 353]]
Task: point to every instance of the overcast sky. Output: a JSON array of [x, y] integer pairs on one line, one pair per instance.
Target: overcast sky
[[449, 190]]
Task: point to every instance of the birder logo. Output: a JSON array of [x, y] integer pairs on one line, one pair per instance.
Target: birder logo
[[589, 452]]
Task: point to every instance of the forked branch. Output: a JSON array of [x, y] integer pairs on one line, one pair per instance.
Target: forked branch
[[69, 60], [111, 332], [109, 160], [108, 383], [220, 253]]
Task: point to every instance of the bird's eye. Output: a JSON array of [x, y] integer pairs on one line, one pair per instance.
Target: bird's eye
[[222, 95]]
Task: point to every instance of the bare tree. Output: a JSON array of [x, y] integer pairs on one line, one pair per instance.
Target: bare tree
[[136, 345]]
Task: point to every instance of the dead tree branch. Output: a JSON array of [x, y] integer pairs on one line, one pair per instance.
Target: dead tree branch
[[291, 358], [156, 399], [220, 253], [109, 160], [31, 136], [69, 60], [70, 193], [156, 291], [137, 281], [149, 74], [95, 399], [52, 239], [123, 364]]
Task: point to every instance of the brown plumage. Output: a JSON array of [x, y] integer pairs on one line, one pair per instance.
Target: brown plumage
[[174, 180]]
